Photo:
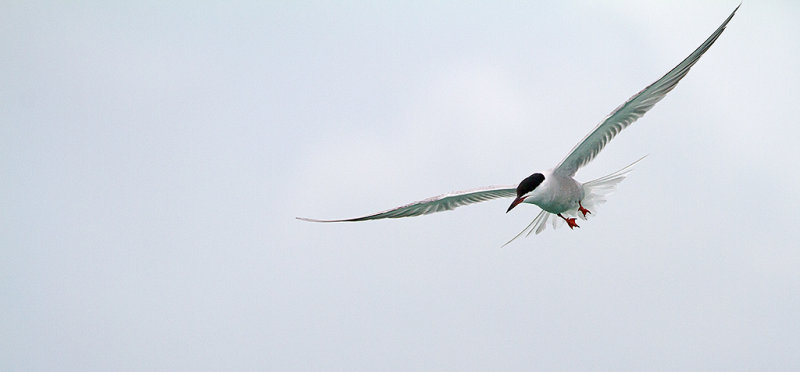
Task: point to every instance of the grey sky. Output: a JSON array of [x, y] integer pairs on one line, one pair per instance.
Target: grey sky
[[154, 156]]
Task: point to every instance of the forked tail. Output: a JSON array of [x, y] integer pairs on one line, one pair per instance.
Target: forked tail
[[595, 192]]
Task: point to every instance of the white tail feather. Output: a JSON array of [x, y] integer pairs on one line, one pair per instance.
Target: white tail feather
[[594, 195]]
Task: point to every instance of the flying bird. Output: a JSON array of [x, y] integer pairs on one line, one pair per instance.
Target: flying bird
[[560, 196]]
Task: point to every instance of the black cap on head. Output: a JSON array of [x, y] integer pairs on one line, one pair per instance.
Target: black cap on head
[[527, 185]]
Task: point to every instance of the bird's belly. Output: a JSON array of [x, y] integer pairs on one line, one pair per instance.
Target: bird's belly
[[561, 197], [558, 205]]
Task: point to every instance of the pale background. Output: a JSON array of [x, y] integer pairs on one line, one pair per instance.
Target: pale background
[[153, 157]]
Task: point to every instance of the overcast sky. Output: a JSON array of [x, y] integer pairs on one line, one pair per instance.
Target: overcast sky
[[153, 157]]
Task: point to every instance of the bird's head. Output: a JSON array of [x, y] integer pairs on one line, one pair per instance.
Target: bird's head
[[525, 189]]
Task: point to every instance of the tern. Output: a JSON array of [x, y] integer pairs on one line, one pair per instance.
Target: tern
[[555, 190]]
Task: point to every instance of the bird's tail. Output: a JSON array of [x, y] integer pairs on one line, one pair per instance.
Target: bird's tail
[[595, 192]]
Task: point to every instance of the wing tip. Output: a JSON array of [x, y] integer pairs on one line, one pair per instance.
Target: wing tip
[[315, 220]]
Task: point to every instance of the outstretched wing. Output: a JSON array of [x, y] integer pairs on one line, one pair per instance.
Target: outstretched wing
[[444, 202], [633, 109]]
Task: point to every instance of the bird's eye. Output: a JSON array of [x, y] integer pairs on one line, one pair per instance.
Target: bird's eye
[[529, 184]]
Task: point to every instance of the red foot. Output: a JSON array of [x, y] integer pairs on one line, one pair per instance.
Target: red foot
[[583, 210], [570, 222]]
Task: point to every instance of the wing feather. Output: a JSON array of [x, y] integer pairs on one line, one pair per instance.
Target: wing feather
[[440, 203], [634, 108]]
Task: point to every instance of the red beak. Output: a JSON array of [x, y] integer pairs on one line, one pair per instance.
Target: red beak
[[515, 203]]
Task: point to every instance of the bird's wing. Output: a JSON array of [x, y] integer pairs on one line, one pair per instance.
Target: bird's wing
[[444, 202], [632, 109]]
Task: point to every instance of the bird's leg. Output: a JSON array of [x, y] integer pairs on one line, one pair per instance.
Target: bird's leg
[[583, 210], [570, 221]]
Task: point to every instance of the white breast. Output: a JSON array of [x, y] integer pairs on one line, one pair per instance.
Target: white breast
[[557, 194]]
